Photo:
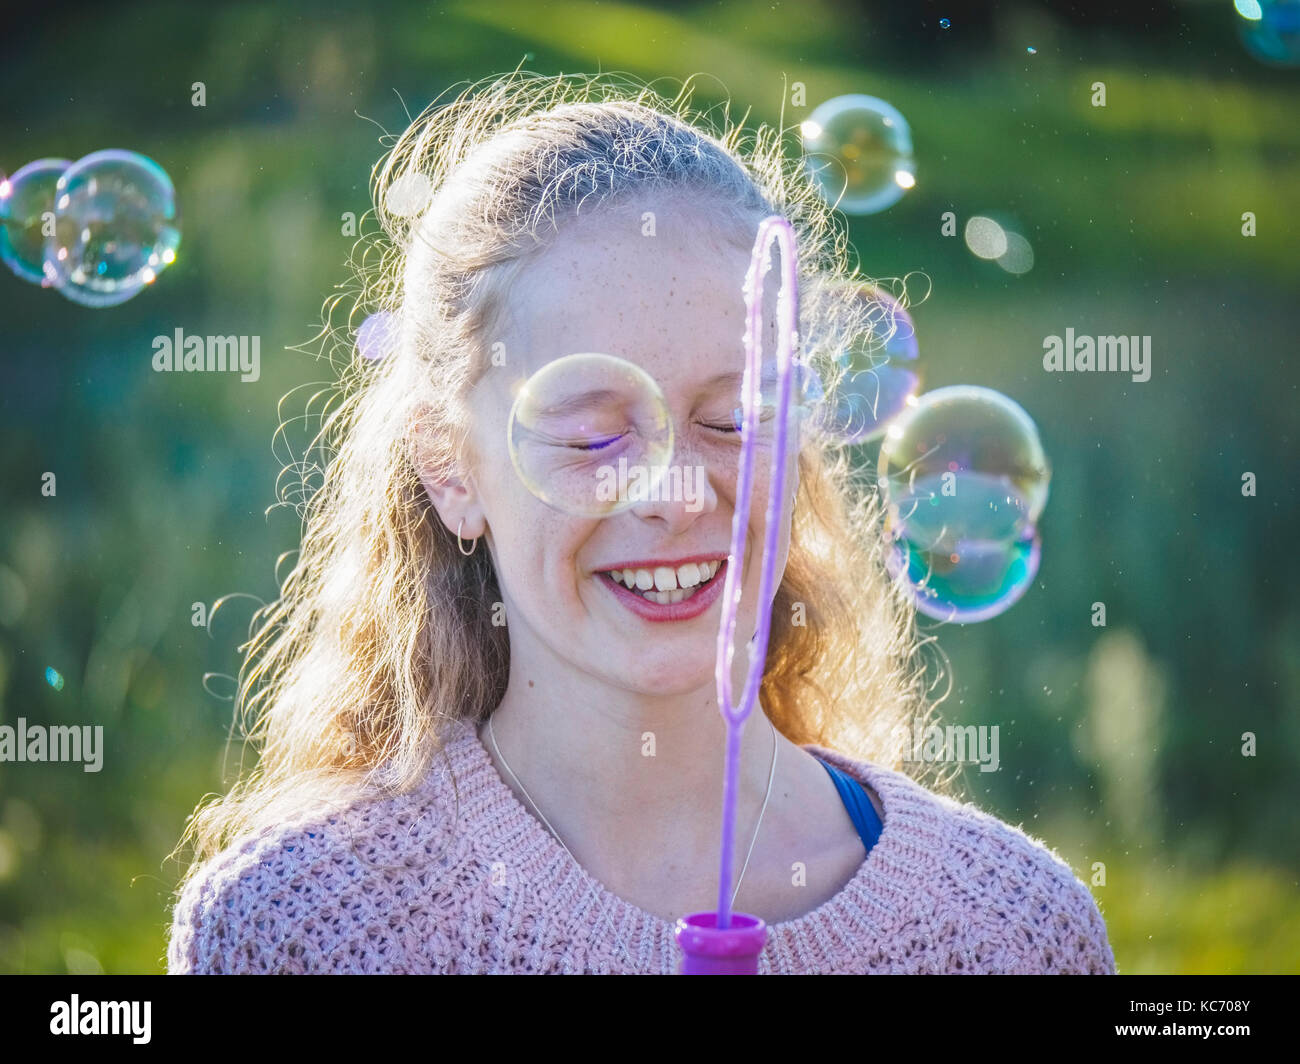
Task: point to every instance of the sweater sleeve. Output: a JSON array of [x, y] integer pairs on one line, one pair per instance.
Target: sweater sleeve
[[237, 916], [1059, 929]]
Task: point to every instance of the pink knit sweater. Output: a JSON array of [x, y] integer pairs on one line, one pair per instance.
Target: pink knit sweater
[[393, 885]]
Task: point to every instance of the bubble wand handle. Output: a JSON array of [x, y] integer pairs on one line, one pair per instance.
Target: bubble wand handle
[[779, 230]]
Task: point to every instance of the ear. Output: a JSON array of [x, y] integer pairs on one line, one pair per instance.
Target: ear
[[457, 503], [452, 492]]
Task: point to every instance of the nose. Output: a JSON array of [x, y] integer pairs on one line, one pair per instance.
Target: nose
[[681, 492]]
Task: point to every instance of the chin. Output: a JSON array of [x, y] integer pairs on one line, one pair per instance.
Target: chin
[[667, 674]]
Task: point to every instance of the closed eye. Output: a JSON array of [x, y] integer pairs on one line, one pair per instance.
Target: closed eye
[[766, 412], [576, 443], [595, 445]]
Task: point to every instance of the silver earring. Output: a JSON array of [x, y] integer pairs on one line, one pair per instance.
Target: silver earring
[[461, 545]]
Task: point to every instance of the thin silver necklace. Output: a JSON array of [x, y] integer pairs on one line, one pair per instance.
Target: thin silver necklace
[[771, 775]]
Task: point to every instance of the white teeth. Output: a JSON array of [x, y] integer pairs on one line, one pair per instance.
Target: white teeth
[[665, 585]]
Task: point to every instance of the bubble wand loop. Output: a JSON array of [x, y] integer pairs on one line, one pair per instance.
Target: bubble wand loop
[[710, 942]]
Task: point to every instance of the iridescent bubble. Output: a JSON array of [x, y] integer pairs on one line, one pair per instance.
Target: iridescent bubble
[[115, 228], [944, 23], [591, 435], [26, 203], [965, 480], [807, 396], [1270, 30], [975, 580], [377, 336], [877, 377], [859, 151]]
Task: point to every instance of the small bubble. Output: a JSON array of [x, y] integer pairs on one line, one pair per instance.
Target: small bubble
[[409, 195], [116, 226], [944, 23], [54, 678], [376, 337], [858, 149]]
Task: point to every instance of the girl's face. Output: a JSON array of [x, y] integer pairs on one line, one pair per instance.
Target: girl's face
[[671, 303]]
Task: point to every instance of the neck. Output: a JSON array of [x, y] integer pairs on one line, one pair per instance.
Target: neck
[[626, 777]]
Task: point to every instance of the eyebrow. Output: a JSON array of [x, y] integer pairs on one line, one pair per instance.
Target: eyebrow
[[737, 377], [575, 404], [597, 397]]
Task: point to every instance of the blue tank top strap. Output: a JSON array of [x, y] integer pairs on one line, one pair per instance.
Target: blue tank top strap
[[855, 799]]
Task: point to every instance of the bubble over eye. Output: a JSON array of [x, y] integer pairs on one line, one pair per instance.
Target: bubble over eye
[[590, 434], [115, 228], [26, 201], [965, 480], [858, 150]]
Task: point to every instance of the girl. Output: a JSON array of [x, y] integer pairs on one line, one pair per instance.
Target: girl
[[488, 728]]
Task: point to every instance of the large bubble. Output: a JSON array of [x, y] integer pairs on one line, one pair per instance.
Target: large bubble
[[591, 435], [859, 151], [26, 204], [115, 228], [965, 480]]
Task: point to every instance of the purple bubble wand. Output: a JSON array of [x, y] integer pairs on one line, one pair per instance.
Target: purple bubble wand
[[709, 941]]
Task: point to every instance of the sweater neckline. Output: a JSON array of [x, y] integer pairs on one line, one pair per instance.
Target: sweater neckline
[[876, 898]]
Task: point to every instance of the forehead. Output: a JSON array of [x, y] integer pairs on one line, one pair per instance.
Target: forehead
[[660, 285]]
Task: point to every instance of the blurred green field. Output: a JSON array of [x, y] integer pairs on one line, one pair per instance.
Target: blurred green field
[[1120, 745]]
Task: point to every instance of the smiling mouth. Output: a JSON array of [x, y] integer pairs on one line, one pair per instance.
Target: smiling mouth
[[664, 585]]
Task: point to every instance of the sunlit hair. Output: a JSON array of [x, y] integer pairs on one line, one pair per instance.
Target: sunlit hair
[[383, 630]]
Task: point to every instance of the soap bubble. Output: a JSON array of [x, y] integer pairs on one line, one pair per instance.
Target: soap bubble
[[877, 376], [24, 198], [966, 434], [1270, 30], [377, 336], [859, 151], [985, 237], [590, 434], [409, 195], [972, 580], [115, 228], [965, 480], [944, 23], [807, 397], [1019, 255]]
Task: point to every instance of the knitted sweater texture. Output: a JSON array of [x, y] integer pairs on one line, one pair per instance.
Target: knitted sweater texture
[[462, 878]]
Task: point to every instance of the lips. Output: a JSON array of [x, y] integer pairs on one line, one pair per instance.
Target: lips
[[694, 600]]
